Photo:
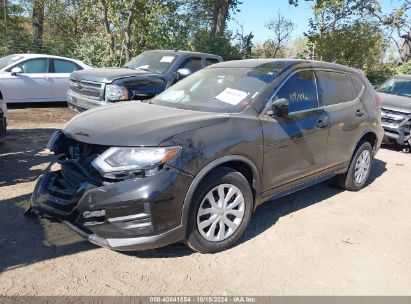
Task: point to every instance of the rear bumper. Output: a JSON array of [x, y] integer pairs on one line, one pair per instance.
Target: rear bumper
[[131, 215]]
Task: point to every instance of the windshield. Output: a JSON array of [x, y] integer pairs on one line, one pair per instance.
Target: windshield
[[157, 62], [225, 90], [6, 61], [396, 86]]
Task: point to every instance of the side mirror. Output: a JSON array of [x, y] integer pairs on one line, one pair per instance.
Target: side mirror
[[279, 108], [184, 72], [15, 71]]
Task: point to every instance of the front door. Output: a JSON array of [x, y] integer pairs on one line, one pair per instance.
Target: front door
[[31, 85], [295, 145]]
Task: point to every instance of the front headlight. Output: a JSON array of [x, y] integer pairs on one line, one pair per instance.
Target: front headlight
[[118, 159], [116, 92]]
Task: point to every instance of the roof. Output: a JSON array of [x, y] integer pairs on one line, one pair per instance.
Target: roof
[[184, 52], [278, 63], [401, 76], [27, 55]]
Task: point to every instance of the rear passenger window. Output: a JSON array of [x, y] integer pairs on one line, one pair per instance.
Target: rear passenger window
[[300, 91], [193, 64], [211, 61], [333, 88], [64, 66], [357, 85]]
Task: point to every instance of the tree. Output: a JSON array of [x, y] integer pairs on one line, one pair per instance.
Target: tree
[[109, 32], [281, 29], [13, 28], [220, 14], [360, 45], [38, 24], [394, 24]]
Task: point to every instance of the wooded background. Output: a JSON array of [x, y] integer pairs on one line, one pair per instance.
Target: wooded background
[[110, 32]]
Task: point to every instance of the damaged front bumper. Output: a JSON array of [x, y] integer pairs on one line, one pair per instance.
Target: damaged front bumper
[[129, 215], [397, 127]]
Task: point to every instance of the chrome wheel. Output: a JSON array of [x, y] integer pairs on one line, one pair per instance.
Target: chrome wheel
[[221, 212], [362, 167]]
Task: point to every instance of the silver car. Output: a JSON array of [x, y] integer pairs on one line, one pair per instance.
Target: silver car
[[36, 78]]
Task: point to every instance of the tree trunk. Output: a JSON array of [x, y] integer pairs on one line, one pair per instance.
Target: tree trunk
[[109, 33], [406, 48], [220, 14], [38, 24], [127, 32]]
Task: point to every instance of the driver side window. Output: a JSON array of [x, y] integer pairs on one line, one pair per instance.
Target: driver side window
[[301, 91], [33, 66]]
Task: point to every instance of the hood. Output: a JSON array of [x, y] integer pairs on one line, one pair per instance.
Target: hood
[[396, 102], [108, 75], [136, 124]]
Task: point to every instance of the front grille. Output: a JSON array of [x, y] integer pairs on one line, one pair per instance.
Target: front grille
[[393, 117], [88, 89], [76, 174]]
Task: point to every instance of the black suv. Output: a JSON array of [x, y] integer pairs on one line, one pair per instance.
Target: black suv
[[193, 163], [143, 77]]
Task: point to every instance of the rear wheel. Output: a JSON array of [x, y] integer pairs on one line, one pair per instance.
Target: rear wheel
[[220, 211], [359, 169]]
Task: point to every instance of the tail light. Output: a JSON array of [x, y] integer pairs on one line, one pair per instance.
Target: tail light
[[378, 100]]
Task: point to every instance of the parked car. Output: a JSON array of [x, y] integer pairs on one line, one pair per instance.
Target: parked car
[[3, 119], [143, 77], [396, 110], [36, 78], [194, 162]]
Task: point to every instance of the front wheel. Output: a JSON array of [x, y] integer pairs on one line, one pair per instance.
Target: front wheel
[[359, 169], [220, 211]]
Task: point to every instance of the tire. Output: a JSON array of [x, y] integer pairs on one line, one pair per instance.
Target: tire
[[350, 180], [201, 236]]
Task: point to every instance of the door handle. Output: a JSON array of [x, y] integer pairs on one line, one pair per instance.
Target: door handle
[[321, 124], [359, 113]]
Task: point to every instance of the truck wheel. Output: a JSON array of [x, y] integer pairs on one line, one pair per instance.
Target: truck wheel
[[359, 169], [220, 211]]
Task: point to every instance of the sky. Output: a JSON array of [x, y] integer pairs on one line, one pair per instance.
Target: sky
[[255, 14]]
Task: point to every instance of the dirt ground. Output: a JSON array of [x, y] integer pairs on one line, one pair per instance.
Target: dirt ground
[[321, 241]]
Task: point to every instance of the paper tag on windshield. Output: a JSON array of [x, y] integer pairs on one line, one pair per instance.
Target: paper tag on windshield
[[231, 96], [167, 59]]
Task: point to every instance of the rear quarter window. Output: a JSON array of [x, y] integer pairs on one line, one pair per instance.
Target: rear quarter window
[[357, 85], [64, 66], [334, 88]]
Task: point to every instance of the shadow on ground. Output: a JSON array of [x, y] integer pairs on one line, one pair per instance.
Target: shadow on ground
[[29, 240], [37, 105], [270, 212], [397, 148], [23, 154]]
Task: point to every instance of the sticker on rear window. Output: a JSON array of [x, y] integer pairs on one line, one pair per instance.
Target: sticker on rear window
[[167, 59], [231, 96]]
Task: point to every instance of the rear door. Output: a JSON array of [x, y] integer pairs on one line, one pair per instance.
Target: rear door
[[346, 113], [31, 85], [295, 146], [59, 76]]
